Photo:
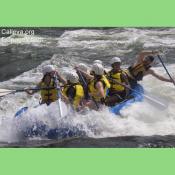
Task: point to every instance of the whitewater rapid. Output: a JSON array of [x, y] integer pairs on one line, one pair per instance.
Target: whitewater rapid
[[83, 46], [141, 119]]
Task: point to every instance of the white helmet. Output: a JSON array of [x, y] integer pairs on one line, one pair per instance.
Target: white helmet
[[48, 69], [72, 77], [83, 67], [97, 62], [98, 69], [115, 60]]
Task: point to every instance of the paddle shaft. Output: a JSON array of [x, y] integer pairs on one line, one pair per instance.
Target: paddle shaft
[[30, 89], [4, 92], [59, 95], [160, 59]]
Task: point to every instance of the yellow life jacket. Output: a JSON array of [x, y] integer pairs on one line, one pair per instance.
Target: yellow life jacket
[[117, 77], [94, 91], [49, 95], [75, 93], [137, 72]]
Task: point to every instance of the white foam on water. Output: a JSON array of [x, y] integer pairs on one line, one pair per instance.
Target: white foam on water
[[141, 118], [123, 41]]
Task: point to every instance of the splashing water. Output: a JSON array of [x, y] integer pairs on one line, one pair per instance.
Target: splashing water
[[141, 118]]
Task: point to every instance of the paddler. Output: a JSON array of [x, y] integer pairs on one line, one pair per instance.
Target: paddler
[[116, 77], [48, 85], [73, 92], [143, 67], [97, 87], [83, 80], [98, 62]]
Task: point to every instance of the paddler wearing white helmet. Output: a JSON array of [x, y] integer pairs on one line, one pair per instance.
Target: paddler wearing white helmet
[[73, 92], [116, 77], [142, 67], [97, 86], [50, 69], [47, 86], [98, 62]]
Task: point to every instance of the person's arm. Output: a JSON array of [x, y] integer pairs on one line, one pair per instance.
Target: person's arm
[[60, 78], [65, 99], [143, 54], [153, 73], [124, 79], [31, 92], [101, 92], [88, 76], [126, 83]]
